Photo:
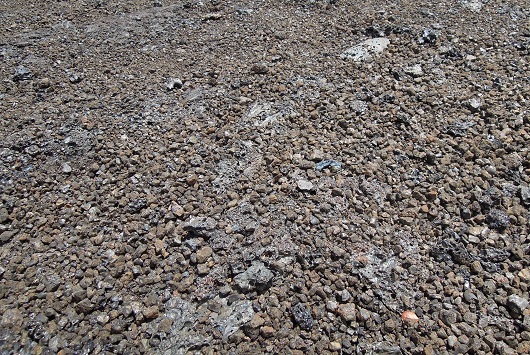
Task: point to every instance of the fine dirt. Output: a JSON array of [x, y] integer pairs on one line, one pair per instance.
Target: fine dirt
[[248, 177]]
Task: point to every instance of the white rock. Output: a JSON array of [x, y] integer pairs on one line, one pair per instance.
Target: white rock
[[365, 51], [415, 70], [174, 83], [473, 5], [66, 168], [304, 185]]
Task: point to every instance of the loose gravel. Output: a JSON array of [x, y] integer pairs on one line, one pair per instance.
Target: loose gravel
[[248, 177]]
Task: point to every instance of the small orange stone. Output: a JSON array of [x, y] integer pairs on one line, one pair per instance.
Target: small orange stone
[[409, 317]]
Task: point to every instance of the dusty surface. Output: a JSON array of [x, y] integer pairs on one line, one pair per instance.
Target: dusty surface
[[264, 177]]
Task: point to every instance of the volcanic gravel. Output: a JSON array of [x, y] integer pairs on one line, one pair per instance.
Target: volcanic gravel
[[248, 177]]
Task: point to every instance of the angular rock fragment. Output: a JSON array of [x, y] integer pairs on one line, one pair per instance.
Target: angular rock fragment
[[517, 304], [257, 276], [136, 205], [260, 68], [7, 235], [333, 164], [85, 306], [472, 5], [428, 36], [347, 312], [174, 83], [302, 316], [22, 73], [4, 215], [200, 226], [304, 185], [381, 347], [498, 219], [203, 254], [367, 50], [414, 71], [181, 315], [234, 316], [66, 168]]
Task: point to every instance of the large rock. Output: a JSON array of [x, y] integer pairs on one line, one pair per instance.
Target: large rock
[[367, 50], [302, 316], [257, 276], [517, 304], [472, 5], [201, 226], [232, 317]]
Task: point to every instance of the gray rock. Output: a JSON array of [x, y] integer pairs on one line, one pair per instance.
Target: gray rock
[[304, 185], [302, 316], [85, 306], [474, 104], [344, 295], [359, 106], [382, 348], [449, 317], [414, 71], [200, 226], [12, 318], [52, 282], [498, 219], [180, 317], [347, 312], [203, 254], [136, 205], [66, 168], [78, 293], [244, 11], [4, 215], [234, 316], [22, 73], [6, 236], [452, 341], [517, 304], [472, 5], [75, 78], [367, 50], [174, 83], [428, 36], [257, 276], [332, 164]]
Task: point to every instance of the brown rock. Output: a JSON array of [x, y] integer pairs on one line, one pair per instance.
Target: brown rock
[[256, 321], [335, 346], [12, 318], [203, 254], [85, 306], [524, 274], [524, 347], [151, 312], [347, 312], [7, 236], [260, 68], [165, 325], [4, 215], [267, 331]]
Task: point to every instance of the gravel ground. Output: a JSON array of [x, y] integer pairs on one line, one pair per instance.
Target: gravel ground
[[247, 177]]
